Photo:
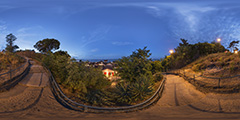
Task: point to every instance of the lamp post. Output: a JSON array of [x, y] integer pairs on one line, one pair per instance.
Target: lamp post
[[171, 51], [219, 40]]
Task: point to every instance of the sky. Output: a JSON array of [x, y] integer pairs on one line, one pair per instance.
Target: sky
[[101, 29]]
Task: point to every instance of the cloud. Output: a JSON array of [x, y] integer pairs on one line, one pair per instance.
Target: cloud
[[95, 36], [5, 7], [121, 43], [94, 50], [3, 33], [189, 11], [26, 36]]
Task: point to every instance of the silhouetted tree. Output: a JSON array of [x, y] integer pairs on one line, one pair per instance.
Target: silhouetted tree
[[184, 42], [233, 45], [10, 46], [47, 45]]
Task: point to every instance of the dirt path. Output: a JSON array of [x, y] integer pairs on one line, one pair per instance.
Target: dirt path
[[180, 100]]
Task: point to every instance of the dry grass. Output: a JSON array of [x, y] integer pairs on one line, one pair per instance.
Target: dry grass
[[215, 65], [7, 60]]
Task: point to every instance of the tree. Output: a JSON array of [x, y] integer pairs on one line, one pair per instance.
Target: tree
[[62, 53], [233, 45], [186, 53], [47, 45], [184, 42], [10, 46], [135, 65]]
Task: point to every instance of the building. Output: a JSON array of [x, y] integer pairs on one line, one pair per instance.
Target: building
[[108, 70]]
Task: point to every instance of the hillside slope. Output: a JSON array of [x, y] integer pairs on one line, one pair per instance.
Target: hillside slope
[[218, 73], [216, 65]]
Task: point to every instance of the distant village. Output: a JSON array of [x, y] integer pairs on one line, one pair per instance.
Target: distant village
[[108, 68]]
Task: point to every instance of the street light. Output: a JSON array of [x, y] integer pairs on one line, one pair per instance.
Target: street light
[[219, 40], [236, 51], [171, 51]]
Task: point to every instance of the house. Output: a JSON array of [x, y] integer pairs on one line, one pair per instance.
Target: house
[[109, 72]]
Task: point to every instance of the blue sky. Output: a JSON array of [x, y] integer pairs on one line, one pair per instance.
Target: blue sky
[[90, 29]]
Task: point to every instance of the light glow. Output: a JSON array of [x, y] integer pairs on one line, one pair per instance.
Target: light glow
[[219, 40], [171, 51], [235, 51]]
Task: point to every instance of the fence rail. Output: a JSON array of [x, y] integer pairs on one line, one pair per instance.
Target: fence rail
[[85, 108], [10, 78], [212, 82]]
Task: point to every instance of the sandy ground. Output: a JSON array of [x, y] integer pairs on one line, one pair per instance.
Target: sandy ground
[[32, 99]]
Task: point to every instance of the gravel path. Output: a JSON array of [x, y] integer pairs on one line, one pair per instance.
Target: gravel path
[[180, 100]]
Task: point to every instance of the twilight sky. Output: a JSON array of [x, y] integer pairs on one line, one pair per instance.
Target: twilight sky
[[90, 29]]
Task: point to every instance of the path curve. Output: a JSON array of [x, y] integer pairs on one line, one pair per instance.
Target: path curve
[[179, 100]]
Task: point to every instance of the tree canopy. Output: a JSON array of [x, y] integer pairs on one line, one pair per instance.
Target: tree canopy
[[135, 65], [47, 45], [186, 53], [10, 46]]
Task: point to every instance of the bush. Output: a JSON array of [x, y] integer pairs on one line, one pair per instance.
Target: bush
[[128, 93], [157, 77]]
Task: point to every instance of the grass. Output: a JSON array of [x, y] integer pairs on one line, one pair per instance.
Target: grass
[[217, 65], [7, 60]]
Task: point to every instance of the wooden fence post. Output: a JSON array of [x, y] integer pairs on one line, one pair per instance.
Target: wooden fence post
[[194, 78], [219, 80], [10, 72], [85, 109]]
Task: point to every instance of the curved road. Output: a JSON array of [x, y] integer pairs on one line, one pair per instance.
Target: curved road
[[33, 99]]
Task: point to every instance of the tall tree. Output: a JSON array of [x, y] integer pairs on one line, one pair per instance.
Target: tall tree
[[135, 65], [10, 46], [47, 45]]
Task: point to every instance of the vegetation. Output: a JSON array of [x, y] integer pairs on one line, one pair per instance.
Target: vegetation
[[47, 45], [135, 66], [89, 85], [186, 53], [9, 59], [218, 64], [233, 45], [10, 46], [136, 72]]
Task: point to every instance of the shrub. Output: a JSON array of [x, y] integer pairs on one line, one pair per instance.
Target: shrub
[[157, 77]]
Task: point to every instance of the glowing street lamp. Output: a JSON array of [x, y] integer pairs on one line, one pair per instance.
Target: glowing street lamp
[[171, 51], [219, 40], [236, 51]]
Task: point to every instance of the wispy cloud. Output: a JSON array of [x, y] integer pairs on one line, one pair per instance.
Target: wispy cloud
[[121, 43], [94, 50], [5, 7], [97, 35], [3, 33], [26, 36], [189, 11]]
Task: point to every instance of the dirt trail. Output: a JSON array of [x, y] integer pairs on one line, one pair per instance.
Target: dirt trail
[[179, 100]]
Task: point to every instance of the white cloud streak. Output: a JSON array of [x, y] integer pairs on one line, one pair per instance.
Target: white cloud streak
[[121, 43], [97, 35], [94, 50]]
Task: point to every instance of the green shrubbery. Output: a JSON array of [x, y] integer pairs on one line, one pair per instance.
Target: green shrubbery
[[7, 59], [90, 86], [137, 72], [186, 53], [76, 77]]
